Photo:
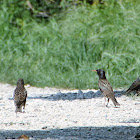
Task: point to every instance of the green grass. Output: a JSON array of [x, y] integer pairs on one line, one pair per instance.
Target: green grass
[[62, 52]]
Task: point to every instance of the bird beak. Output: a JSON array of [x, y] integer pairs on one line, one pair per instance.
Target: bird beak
[[94, 70]]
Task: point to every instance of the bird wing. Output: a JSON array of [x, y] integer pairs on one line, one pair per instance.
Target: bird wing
[[134, 84], [20, 96], [106, 88]]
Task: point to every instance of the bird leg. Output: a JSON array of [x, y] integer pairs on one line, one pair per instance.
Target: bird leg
[[23, 109], [107, 102], [18, 109], [17, 115]]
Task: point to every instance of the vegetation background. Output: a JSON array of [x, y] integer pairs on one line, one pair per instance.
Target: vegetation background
[[57, 43]]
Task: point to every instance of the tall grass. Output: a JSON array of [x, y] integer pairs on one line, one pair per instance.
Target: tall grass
[[63, 51]]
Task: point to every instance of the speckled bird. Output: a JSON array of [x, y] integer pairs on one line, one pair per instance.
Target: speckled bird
[[106, 88], [135, 86], [20, 95]]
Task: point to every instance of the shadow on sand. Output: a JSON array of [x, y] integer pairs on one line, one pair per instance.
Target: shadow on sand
[[70, 95], [77, 133], [74, 96]]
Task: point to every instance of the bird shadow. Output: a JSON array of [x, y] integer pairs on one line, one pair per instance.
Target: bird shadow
[[79, 95], [76, 133], [68, 96]]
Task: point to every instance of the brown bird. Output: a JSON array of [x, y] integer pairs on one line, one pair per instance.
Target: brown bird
[[20, 95], [106, 88], [135, 86]]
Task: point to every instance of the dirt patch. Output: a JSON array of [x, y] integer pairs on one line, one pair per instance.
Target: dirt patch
[[68, 114]]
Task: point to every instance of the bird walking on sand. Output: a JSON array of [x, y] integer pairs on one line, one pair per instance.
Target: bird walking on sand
[[135, 86], [20, 95], [106, 88]]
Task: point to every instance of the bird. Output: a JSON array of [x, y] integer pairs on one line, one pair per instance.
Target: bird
[[135, 86], [20, 95], [106, 88]]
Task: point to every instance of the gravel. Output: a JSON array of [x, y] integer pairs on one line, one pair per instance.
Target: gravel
[[64, 114]]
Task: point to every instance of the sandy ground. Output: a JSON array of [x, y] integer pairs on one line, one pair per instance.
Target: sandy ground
[[55, 114]]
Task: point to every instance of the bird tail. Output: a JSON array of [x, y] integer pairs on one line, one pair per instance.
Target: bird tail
[[127, 91], [18, 109], [115, 102]]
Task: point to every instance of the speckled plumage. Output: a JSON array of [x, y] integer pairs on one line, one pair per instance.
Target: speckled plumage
[[105, 87], [20, 95], [135, 86]]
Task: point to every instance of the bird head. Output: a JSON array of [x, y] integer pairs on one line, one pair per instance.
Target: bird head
[[101, 73], [20, 82]]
